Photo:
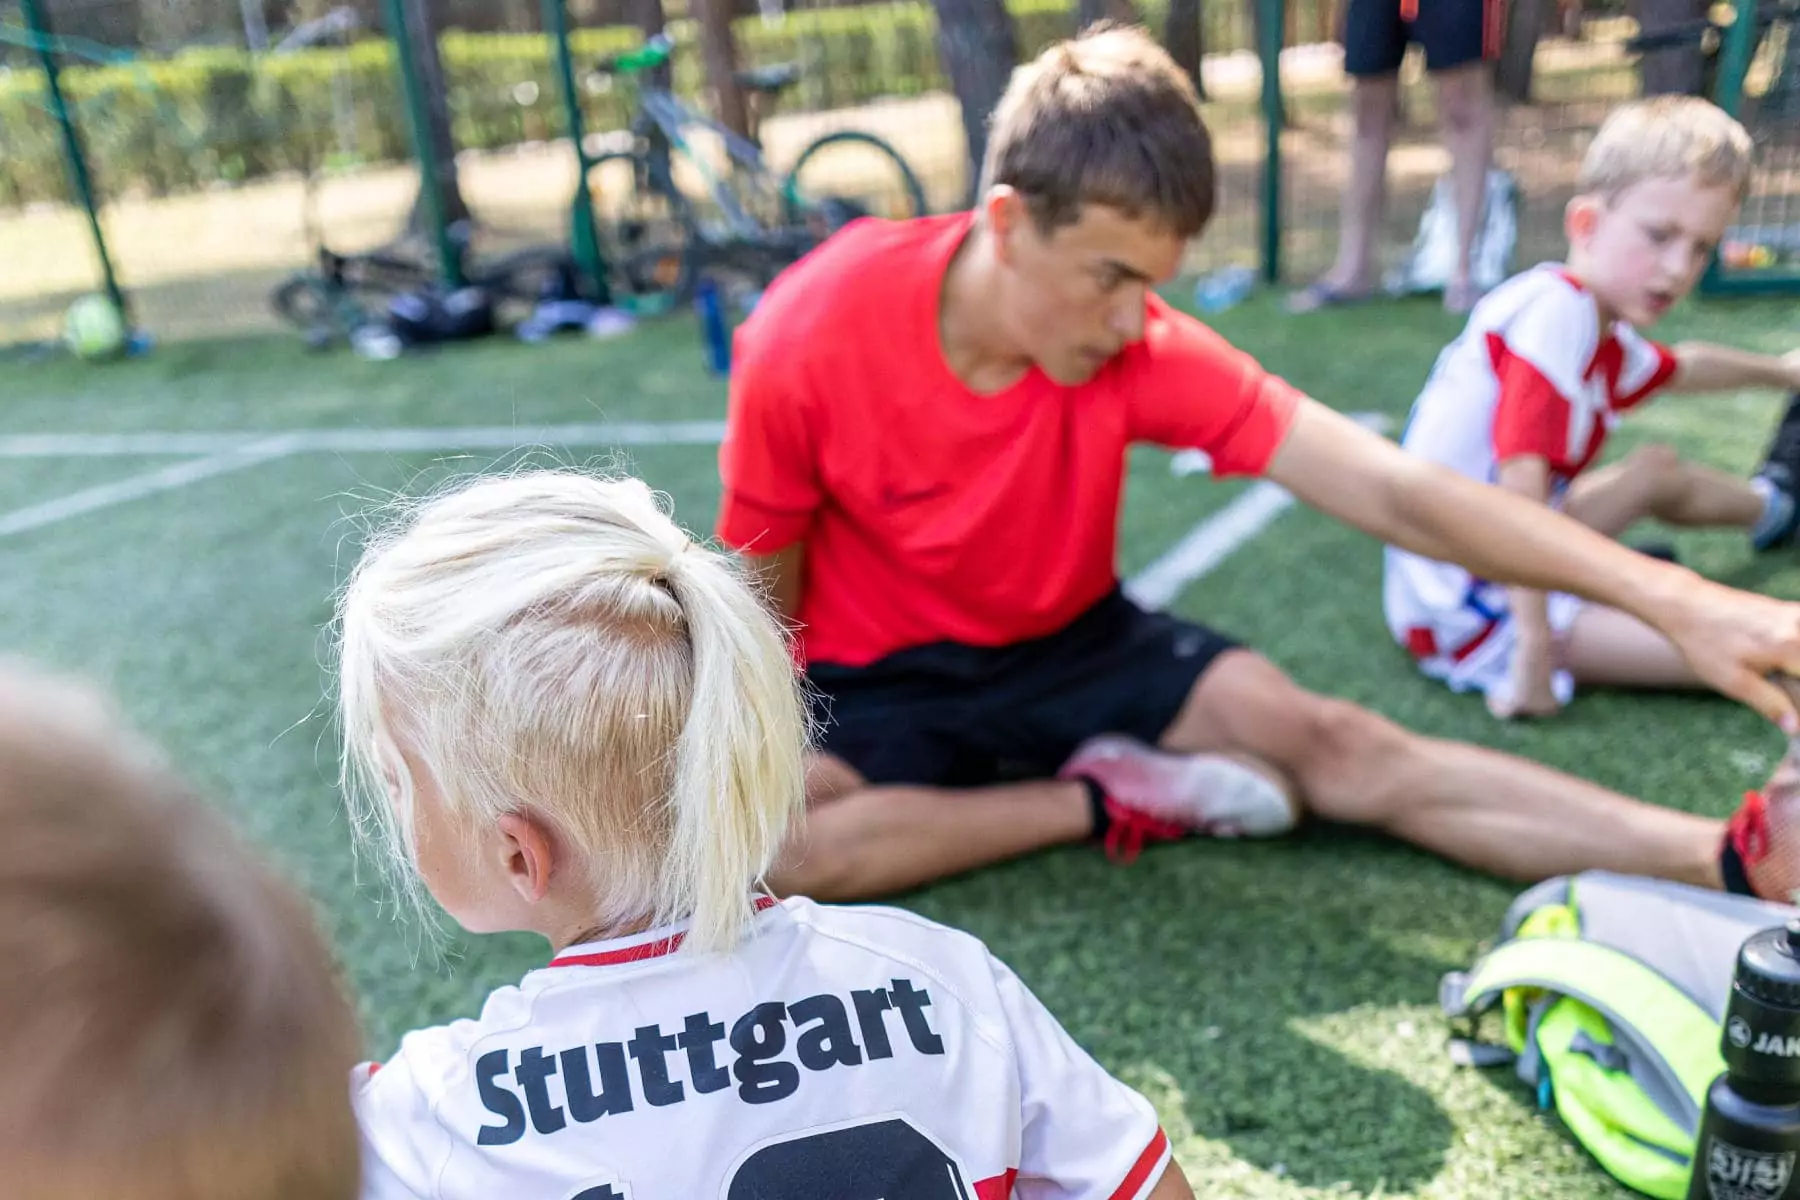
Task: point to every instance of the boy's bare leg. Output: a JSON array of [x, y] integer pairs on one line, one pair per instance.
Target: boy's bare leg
[[1615, 649], [862, 841], [1481, 808], [1653, 481]]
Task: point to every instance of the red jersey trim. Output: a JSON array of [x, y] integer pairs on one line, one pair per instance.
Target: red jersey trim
[[1493, 29], [641, 951], [998, 1188], [1140, 1170], [1666, 366]]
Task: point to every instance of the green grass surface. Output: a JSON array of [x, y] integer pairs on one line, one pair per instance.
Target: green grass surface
[[1276, 1001]]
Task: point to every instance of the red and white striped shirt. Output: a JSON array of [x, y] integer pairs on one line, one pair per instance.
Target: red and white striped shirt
[[1534, 373], [839, 1054]]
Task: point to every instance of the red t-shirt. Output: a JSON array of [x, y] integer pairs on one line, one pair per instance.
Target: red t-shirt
[[931, 512]]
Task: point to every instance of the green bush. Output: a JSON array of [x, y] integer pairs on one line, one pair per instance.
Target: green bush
[[213, 116]]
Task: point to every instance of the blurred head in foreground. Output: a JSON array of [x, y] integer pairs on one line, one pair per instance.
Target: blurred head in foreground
[[171, 1024]]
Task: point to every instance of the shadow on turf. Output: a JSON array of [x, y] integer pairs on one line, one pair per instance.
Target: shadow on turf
[[1211, 966]]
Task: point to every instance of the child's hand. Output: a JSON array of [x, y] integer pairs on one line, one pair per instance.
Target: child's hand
[[1531, 692], [1790, 363]]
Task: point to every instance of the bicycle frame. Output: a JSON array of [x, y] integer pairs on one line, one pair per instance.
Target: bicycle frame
[[664, 122]]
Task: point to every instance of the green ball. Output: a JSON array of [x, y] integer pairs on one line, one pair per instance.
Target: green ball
[[94, 329]]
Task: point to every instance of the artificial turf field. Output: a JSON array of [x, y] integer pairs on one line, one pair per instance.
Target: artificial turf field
[[1275, 1000]]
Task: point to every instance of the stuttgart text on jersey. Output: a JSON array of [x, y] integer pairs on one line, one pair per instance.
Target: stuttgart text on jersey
[[591, 1081]]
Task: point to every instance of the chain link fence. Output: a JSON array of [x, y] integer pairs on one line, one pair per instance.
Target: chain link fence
[[229, 139]]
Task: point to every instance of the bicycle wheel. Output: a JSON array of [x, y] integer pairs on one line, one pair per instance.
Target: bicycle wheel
[[849, 174], [647, 234], [532, 274], [307, 302]]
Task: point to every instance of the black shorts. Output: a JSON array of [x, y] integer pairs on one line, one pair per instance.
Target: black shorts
[[1453, 33], [961, 716]]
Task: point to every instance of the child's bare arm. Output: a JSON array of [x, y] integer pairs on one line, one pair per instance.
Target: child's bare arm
[[1533, 667], [1707, 367], [1173, 1185]]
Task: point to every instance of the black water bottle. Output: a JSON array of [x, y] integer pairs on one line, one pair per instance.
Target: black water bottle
[[1750, 1135]]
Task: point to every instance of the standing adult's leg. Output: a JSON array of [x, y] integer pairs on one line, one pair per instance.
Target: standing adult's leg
[[1478, 807], [1374, 46], [1352, 274], [1466, 120]]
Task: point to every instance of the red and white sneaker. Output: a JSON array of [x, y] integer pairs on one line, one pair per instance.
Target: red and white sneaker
[[1155, 796]]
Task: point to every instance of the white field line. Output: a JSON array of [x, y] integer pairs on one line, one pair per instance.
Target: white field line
[[1203, 548], [136, 487], [1214, 539], [422, 440]]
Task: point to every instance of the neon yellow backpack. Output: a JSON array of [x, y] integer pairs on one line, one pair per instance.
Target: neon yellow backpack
[[1611, 991]]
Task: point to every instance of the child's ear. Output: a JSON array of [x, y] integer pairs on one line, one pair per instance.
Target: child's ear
[[1580, 218], [529, 851]]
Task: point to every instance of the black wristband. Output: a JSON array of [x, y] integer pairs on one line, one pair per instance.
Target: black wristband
[[1097, 806], [1731, 869]]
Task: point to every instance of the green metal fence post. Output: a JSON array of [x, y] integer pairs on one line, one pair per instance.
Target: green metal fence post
[[73, 154], [1738, 48], [1736, 51], [1270, 51], [584, 237], [449, 262]]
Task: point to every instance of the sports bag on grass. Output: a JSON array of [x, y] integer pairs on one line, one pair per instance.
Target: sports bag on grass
[[1610, 992], [1432, 259]]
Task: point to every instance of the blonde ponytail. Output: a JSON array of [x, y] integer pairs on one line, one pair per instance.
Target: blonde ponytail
[[551, 642], [737, 744]]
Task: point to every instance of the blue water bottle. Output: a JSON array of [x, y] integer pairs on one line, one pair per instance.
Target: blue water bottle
[[1224, 289], [715, 331]]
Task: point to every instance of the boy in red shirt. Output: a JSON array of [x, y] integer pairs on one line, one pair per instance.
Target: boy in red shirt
[[925, 453]]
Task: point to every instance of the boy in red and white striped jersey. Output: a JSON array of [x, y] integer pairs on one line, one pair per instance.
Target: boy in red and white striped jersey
[[1526, 397]]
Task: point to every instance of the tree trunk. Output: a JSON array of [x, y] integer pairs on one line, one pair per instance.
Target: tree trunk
[[1526, 22], [1680, 70], [1184, 34], [421, 34], [979, 47], [719, 50]]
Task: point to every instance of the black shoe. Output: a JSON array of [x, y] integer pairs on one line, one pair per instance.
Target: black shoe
[[1781, 470], [1781, 462]]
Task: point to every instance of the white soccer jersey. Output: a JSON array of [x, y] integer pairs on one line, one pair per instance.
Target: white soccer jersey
[[839, 1054], [1533, 373]]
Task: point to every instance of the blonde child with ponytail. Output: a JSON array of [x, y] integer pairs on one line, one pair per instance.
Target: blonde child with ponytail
[[562, 716]]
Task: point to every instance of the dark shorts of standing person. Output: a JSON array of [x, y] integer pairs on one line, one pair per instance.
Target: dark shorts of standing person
[[1453, 33], [953, 715]]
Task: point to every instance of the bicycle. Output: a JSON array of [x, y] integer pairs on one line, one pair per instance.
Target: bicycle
[[342, 293], [650, 229]]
